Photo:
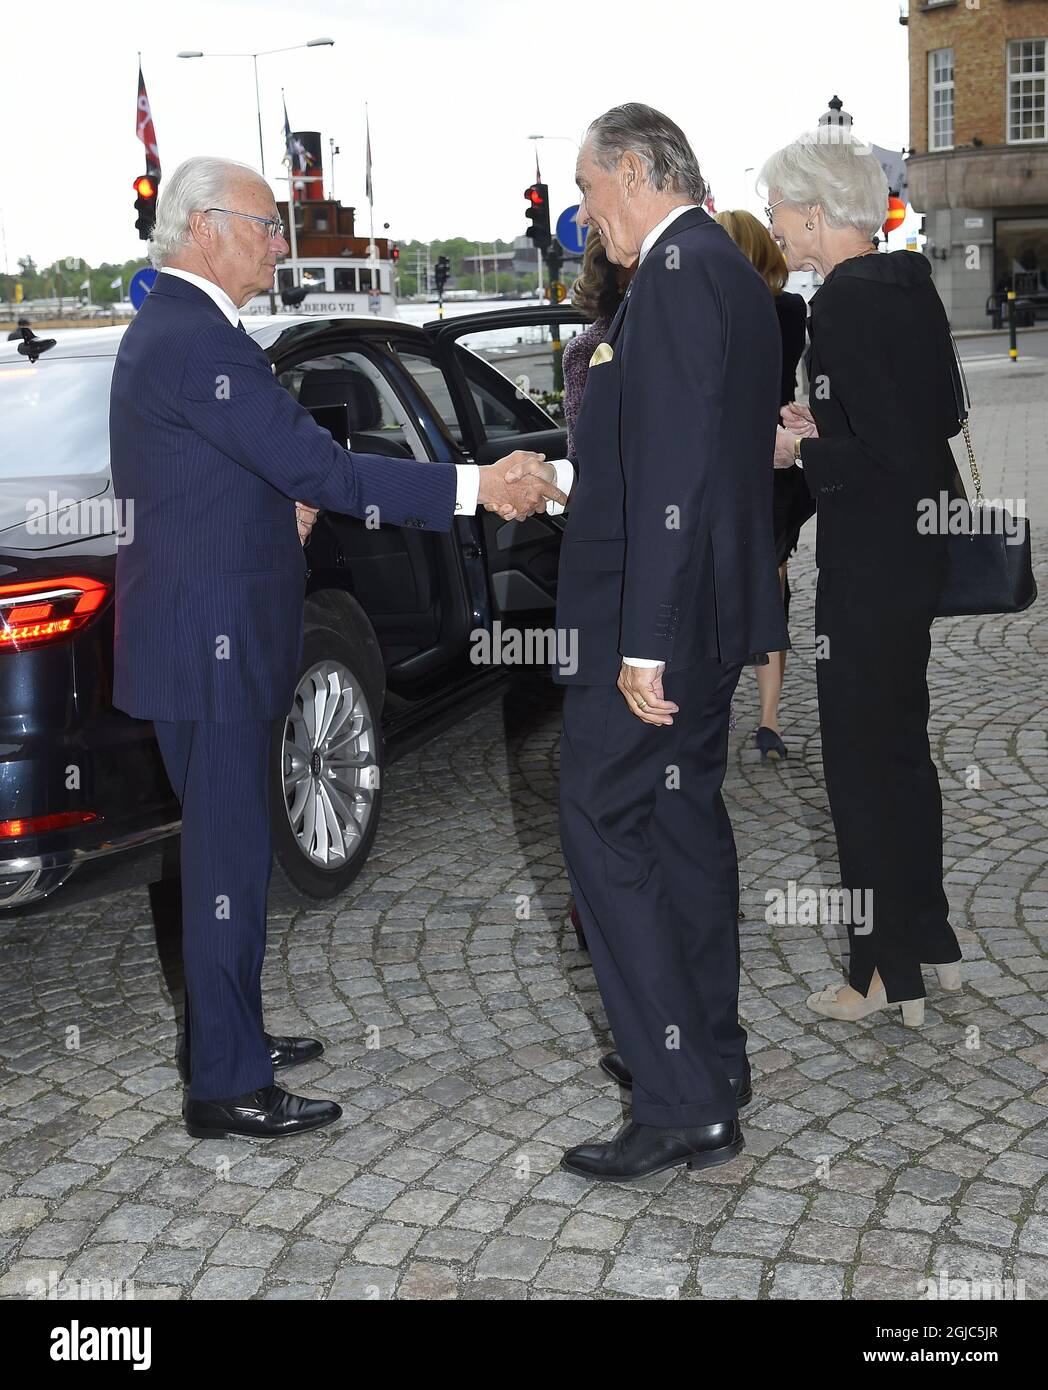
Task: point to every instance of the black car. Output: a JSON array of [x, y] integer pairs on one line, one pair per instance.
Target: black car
[[391, 615]]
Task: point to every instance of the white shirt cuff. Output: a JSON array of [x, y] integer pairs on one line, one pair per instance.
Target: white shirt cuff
[[467, 488], [640, 661], [565, 480]]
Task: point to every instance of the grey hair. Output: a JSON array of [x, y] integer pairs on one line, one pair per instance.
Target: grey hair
[[200, 182], [659, 143], [831, 167]]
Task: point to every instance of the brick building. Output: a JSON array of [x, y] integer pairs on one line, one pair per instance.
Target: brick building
[[979, 166]]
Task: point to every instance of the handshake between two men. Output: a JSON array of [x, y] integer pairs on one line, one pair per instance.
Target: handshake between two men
[[516, 487], [519, 485]]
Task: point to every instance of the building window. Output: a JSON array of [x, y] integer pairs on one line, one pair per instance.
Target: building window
[[345, 279], [1026, 77], [940, 99]]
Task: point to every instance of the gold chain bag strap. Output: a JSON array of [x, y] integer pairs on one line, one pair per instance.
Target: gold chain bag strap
[[990, 568]]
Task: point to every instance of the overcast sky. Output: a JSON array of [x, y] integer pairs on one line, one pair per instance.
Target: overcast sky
[[454, 89]]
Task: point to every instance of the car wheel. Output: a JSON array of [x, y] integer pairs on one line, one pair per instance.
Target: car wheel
[[326, 764]]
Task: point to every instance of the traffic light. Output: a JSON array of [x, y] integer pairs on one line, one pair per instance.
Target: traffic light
[[441, 272], [394, 252], [146, 187], [538, 215]]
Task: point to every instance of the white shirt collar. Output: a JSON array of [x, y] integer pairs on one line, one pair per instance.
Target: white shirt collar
[[653, 236], [213, 291]]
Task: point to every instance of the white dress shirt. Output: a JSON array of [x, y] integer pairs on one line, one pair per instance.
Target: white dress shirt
[[467, 475], [213, 291]]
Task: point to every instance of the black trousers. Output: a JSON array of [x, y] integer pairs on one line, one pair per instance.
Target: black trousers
[[218, 772], [652, 864], [874, 628]]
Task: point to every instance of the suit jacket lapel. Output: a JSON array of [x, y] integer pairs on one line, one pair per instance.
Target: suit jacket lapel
[[620, 314]]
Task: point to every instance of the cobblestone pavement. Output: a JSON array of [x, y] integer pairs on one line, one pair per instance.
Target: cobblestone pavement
[[875, 1154]]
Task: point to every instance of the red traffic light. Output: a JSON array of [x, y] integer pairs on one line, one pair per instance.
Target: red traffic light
[[533, 196], [144, 186]]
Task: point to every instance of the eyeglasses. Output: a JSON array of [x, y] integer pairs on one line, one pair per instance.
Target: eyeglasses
[[274, 227], [769, 210]]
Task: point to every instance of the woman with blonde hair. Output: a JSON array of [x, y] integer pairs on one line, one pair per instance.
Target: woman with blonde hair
[[792, 504], [873, 444]]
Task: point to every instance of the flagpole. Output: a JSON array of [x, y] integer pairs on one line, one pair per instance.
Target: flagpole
[[371, 206], [291, 224], [290, 161]]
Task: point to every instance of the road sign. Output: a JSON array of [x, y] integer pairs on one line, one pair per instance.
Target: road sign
[[570, 235], [141, 283]]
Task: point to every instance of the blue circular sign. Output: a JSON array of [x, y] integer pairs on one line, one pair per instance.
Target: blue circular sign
[[141, 283], [570, 235]]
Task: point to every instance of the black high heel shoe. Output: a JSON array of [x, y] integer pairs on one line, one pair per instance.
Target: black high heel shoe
[[770, 745]]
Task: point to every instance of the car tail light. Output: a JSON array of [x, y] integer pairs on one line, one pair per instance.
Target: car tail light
[[48, 610], [39, 825]]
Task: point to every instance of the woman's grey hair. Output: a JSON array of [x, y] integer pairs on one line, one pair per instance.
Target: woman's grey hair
[[830, 167], [198, 183], [658, 142]]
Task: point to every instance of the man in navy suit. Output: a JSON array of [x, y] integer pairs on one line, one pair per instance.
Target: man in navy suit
[[209, 599], [668, 582]]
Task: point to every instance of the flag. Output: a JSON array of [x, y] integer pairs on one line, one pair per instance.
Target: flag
[[117, 284], [296, 157], [289, 142], [144, 128], [367, 164]]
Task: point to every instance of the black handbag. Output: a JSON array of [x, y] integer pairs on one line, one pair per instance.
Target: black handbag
[[990, 566]]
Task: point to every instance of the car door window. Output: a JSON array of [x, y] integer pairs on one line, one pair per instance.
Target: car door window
[[347, 393], [524, 356], [430, 379]]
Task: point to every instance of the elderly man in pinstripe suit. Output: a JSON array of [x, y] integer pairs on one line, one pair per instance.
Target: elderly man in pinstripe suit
[[209, 599]]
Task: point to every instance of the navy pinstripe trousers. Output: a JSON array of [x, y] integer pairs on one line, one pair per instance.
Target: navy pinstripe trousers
[[218, 772]]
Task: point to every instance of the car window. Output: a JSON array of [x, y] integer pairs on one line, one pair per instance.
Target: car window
[[524, 358], [54, 417], [431, 382], [347, 393]]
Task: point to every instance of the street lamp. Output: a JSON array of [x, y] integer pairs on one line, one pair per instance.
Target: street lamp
[[311, 43]]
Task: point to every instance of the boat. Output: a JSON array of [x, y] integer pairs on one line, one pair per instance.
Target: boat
[[331, 270]]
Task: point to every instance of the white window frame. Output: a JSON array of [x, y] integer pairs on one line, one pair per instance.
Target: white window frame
[[1012, 82], [946, 90]]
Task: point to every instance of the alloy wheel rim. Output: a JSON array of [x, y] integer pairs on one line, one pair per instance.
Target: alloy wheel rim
[[329, 765]]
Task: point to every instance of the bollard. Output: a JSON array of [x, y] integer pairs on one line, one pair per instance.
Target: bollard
[[1013, 350]]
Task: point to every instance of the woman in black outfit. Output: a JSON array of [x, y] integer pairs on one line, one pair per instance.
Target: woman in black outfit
[[872, 445], [792, 504]]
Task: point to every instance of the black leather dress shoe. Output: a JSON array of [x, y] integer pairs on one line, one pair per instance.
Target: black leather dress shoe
[[283, 1052], [638, 1151], [618, 1071], [292, 1052], [269, 1113]]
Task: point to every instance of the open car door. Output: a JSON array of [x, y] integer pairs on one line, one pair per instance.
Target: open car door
[[499, 368]]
